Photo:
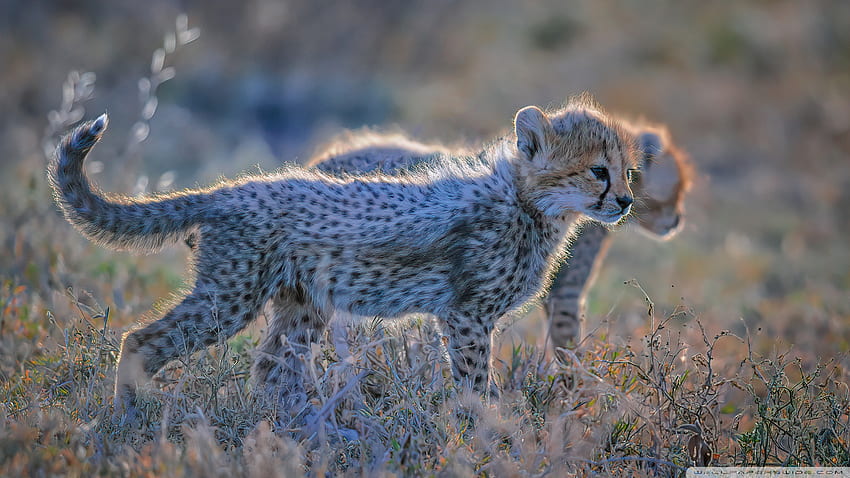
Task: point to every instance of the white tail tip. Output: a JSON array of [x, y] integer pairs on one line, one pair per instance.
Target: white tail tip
[[100, 124]]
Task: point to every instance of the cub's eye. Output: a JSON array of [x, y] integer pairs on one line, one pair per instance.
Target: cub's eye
[[601, 173], [633, 174]]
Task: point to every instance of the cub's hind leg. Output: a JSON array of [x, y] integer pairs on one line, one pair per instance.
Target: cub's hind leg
[[278, 371], [214, 310]]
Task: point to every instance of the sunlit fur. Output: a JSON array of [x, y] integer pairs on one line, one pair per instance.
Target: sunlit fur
[[665, 179], [467, 240], [658, 209]]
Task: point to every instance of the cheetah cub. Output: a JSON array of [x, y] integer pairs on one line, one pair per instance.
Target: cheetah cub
[[466, 240], [660, 184]]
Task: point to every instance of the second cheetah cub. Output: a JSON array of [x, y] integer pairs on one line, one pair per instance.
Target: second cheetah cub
[[466, 240]]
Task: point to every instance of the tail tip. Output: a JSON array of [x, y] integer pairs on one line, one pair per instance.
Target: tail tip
[[85, 135], [99, 124]]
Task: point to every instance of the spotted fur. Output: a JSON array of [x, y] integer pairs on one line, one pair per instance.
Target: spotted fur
[[467, 240], [661, 182]]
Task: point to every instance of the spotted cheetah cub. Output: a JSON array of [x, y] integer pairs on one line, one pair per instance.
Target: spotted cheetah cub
[[466, 240], [660, 184]]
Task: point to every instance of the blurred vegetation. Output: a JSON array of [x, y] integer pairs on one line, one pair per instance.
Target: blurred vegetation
[[746, 350]]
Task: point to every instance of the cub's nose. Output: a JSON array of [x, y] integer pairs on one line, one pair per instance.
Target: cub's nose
[[624, 202]]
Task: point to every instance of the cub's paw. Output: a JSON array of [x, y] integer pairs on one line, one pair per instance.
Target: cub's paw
[[125, 411]]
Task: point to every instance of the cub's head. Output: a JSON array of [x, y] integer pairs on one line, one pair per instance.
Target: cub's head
[[663, 182], [576, 159]]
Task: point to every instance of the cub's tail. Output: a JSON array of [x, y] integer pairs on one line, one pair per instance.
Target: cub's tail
[[119, 222]]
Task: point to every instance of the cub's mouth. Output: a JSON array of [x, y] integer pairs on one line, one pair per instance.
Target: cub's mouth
[[609, 217], [665, 227]]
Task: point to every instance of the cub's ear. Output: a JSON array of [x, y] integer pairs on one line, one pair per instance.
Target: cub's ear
[[532, 128], [650, 145]]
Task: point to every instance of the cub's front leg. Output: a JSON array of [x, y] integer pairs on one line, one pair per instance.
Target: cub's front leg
[[470, 347]]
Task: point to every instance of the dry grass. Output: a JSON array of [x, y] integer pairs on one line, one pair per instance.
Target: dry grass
[[652, 408]]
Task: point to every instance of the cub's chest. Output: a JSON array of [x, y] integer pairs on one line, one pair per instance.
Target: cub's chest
[[512, 262]]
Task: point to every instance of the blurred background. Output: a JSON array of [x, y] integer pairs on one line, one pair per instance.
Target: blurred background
[[757, 92]]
